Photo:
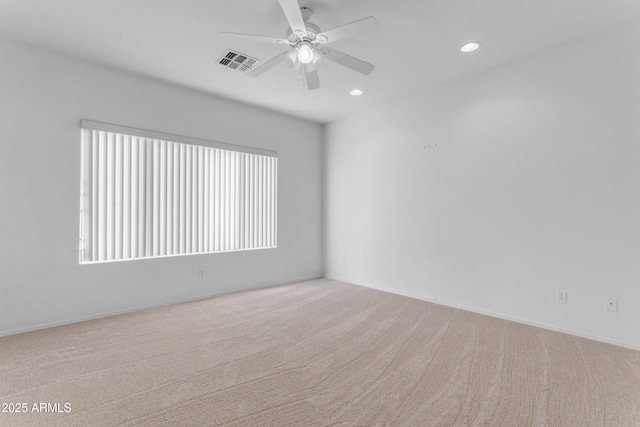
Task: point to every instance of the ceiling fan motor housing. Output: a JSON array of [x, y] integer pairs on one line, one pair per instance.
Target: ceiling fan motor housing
[[312, 30]]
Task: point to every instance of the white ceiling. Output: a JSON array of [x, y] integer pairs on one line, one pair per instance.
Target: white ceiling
[[417, 46]]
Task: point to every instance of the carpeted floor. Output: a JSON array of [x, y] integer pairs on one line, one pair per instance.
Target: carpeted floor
[[318, 353]]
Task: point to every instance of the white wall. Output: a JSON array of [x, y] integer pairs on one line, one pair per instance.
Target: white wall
[[494, 192], [43, 96]]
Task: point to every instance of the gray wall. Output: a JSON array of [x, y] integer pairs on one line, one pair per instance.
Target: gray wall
[[43, 96], [494, 192]]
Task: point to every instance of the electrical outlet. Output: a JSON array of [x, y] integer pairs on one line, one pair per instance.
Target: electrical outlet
[[562, 297], [612, 304], [201, 273]]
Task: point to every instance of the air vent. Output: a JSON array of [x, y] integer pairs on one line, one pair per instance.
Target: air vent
[[237, 61]]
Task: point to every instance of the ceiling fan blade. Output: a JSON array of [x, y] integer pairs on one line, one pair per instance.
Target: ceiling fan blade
[[291, 10], [349, 61], [253, 38], [356, 28], [311, 79], [268, 65]]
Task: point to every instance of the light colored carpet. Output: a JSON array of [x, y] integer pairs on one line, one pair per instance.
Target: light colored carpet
[[317, 353]]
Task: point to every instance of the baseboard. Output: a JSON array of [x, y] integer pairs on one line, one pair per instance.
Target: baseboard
[[151, 306], [619, 343]]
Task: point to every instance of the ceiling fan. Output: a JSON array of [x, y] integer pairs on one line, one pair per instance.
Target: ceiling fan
[[308, 44]]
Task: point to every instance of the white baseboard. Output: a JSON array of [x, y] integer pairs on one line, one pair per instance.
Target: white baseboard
[[493, 314], [150, 306]]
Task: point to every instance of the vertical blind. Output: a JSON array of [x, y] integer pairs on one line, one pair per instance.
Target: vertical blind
[[145, 194]]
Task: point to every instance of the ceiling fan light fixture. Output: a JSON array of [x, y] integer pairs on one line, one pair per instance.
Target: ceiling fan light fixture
[[305, 53], [291, 58], [470, 47]]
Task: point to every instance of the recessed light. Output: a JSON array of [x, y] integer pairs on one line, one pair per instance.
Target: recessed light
[[356, 92], [470, 47]]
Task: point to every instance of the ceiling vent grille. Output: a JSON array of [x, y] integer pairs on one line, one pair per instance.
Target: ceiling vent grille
[[237, 61]]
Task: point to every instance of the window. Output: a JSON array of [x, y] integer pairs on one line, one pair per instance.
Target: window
[[145, 194]]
